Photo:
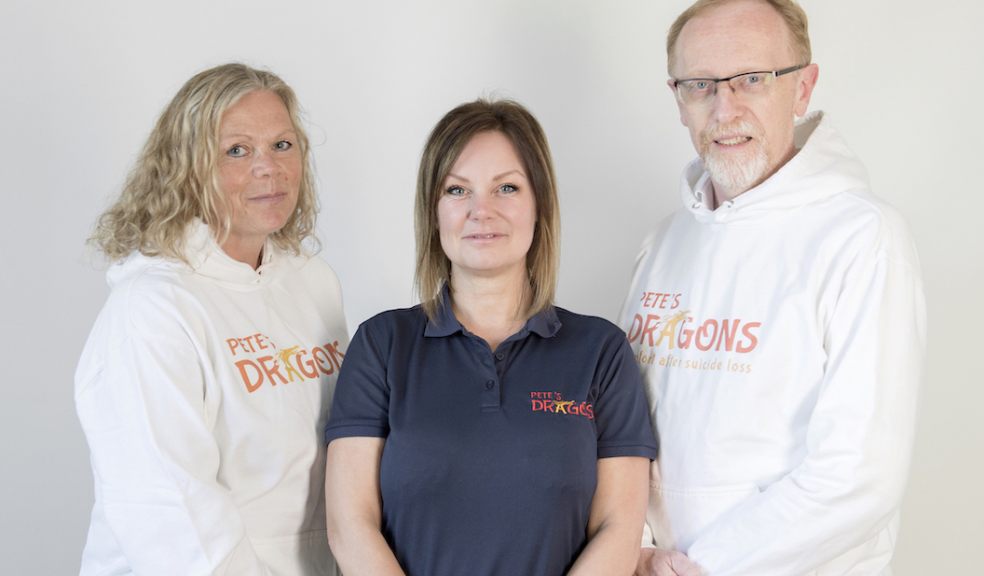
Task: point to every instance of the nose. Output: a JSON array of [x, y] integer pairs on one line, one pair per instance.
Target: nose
[[727, 105], [264, 164], [481, 206]]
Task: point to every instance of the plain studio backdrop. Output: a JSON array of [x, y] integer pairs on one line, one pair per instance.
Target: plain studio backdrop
[[83, 83]]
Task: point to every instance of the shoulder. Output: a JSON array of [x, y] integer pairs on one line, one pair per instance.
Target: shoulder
[[665, 228], [311, 268], [585, 326], [150, 299], [396, 320], [858, 219], [308, 278], [150, 288]]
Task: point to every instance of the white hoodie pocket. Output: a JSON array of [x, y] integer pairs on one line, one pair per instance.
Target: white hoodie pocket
[[689, 510]]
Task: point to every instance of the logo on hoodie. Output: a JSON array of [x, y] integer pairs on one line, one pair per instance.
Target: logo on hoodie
[[663, 325], [260, 362]]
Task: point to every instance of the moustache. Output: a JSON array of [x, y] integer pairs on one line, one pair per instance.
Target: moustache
[[719, 131]]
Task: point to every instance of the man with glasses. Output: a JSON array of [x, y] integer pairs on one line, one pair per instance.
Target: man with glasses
[[778, 318]]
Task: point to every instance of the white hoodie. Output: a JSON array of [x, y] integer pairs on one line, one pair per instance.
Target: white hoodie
[[203, 392], [781, 337]]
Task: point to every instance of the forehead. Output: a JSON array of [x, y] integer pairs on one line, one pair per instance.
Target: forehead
[[489, 148], [734, 37], [259, 109]]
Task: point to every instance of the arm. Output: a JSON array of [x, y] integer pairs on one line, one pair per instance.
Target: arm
[[859, 436], [144, 409], [618, 511], [354, 508]]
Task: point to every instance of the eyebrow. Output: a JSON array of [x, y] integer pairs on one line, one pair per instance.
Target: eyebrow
[[239, 135], [496, 177]]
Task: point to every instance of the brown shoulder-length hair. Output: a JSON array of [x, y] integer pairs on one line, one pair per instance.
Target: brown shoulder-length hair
[[443, 147], [175, 180]]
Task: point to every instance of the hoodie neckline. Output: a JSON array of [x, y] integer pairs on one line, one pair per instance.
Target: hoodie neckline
[[207, 258], [822, 167]]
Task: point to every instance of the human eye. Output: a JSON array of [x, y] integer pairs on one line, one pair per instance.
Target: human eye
[[698, 86], [237, 151], [284, 145], [753, 80], [454, 190], [508, 189]]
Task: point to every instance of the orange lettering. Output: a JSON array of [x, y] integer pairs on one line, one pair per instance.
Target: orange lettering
[[306, 366], [251, 384], [271, 370]]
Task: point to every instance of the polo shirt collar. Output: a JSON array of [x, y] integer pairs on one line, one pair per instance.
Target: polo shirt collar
[[544, 324]]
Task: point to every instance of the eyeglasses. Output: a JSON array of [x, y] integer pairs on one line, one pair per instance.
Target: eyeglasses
[[700, 91]]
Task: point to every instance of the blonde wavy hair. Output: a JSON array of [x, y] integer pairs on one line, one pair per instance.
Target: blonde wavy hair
[[445, 144], [175, 180], [791, 12]]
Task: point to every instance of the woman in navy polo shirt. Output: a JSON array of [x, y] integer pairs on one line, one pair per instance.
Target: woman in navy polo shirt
[[486, 431]]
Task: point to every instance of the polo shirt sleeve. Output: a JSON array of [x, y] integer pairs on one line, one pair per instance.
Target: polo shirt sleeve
[[621, 410], [361, 403]]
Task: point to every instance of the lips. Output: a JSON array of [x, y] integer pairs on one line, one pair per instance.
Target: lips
[[732, 140], [483, 236], [272, 197]]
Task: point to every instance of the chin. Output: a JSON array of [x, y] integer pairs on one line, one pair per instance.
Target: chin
[[737, 173]]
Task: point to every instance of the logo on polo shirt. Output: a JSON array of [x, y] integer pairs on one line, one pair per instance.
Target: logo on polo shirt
[[554, 403]]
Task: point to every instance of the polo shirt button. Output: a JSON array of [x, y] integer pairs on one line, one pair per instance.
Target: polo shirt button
[[499, 355], [489, 384]]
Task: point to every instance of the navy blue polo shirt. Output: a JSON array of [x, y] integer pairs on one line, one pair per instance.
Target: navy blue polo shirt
[[490, 460]]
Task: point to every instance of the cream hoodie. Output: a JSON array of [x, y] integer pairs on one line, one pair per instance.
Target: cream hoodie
[[781, 337], [203, 392]]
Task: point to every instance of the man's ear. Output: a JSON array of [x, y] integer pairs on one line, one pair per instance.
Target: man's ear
[[683, 116], [804, 88]]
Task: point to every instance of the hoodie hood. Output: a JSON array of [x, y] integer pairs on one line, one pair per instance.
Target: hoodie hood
[[823, 167], [204, 257]]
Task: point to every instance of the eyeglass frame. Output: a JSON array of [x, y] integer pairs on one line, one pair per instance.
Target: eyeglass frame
[[675, 83]]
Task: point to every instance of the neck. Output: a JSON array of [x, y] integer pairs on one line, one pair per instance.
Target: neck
[[247, 252], [492, 308]]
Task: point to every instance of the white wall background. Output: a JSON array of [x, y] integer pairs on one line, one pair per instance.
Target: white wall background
[[83, 82]]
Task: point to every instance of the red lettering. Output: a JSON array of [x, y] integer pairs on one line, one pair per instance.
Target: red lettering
[[635, 329], [709, 327], [652, 323], [233, 343], [686, 334], [752, 342], [646, 298], [729, 328]]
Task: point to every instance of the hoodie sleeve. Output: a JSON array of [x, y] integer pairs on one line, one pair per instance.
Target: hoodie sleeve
[[859, 437], [148, 421]]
